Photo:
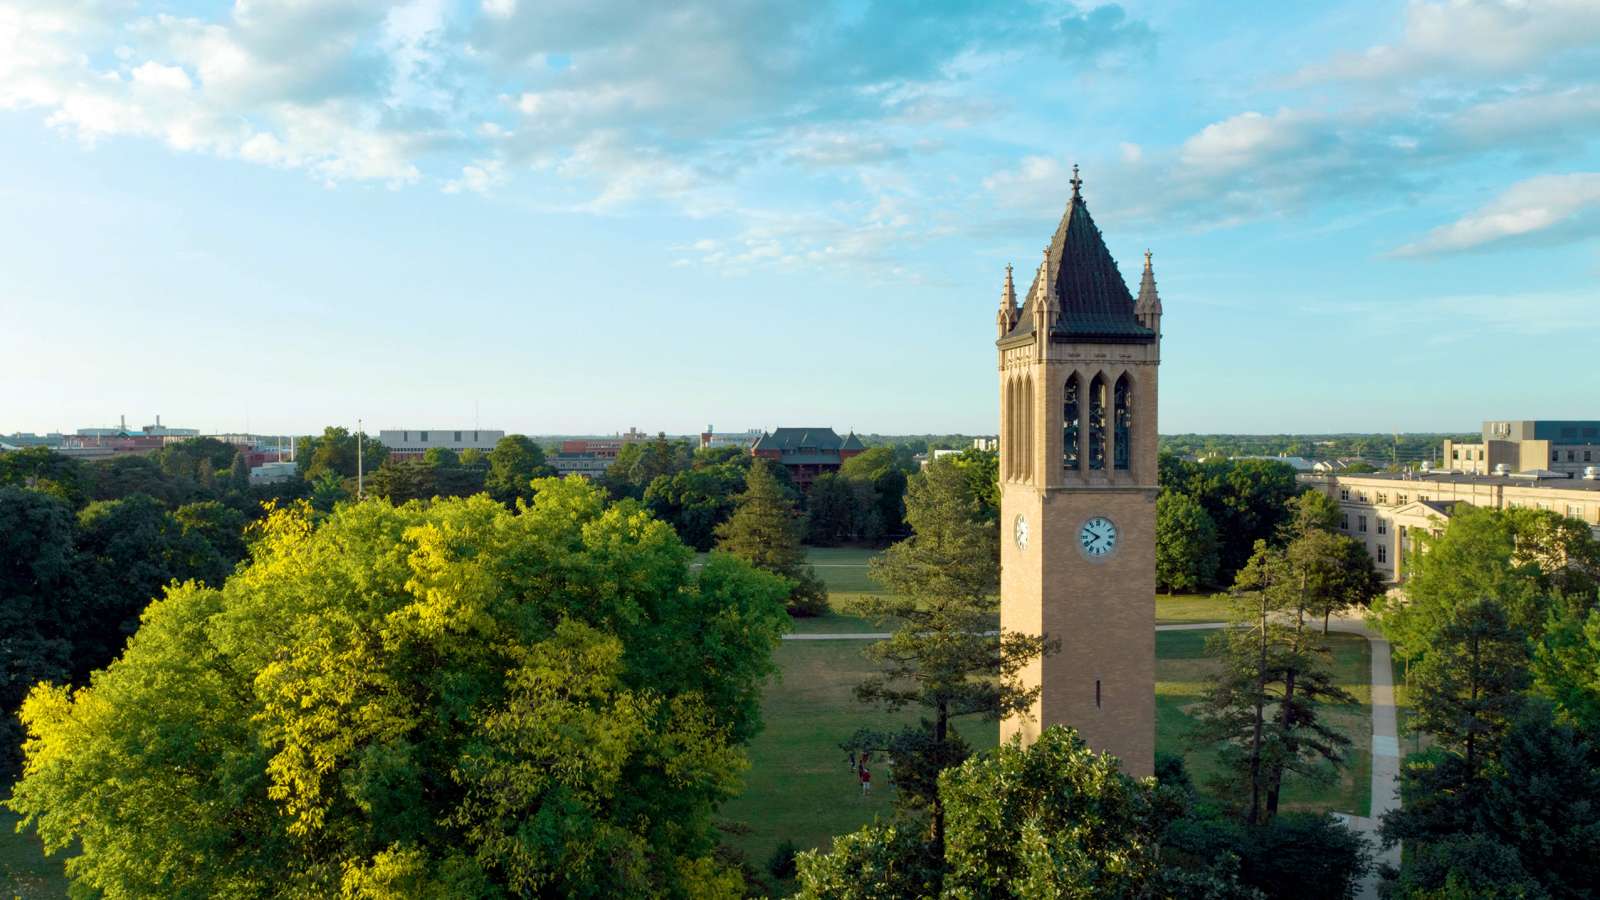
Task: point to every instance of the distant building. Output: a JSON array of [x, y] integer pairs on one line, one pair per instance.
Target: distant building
[[922, 459], [23, 439], [406, 444], [590, 457], [1297, 463], [807, 452], [584, 464], [712, 438], [986, 443], [1384, 511], [273, 472], [1337, 465], [1567, 446], [121, 430]]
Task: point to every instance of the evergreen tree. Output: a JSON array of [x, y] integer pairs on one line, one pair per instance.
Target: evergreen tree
[[765, 531], [1469, 683], [832, 510], [1186, 543], [1263, 705], [239, 473], [944, 654]]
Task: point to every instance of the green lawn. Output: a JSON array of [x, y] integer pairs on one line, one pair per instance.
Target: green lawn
[[1178, 609], [1181, 668], [25, 872], [800, 785], [800, 788]]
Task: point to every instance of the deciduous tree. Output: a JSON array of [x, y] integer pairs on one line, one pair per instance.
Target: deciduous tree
[[434, 700], [514, 463], [1050, 820], [1475, 557], [1186, 543]]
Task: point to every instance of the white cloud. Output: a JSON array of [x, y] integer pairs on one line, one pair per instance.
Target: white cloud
[[1477, 36], [153, 74], [1245, 140], [279, 83], [1548, 205], [481, 177]]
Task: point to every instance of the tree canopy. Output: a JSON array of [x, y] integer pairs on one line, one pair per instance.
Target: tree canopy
[[431, 700]]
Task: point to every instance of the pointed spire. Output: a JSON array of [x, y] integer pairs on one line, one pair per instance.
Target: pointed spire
[[1148, 307], [1007, 317], [1047, 278]]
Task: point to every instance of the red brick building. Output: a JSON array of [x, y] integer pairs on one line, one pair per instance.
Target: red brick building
[[807, 452]]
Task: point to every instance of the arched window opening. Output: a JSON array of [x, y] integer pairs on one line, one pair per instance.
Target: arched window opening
[[1070, 406], [1008, 440], [1122, 419], [1027, 428], [1097, 423]]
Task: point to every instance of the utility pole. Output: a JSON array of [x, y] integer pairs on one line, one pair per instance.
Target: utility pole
[[360, 493]]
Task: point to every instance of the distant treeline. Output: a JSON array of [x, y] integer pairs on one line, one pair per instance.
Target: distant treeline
[[1378, 449]]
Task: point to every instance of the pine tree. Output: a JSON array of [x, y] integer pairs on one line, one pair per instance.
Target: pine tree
[[945, 654], [1469, 686], [1263, 705], [765, 531], [239, 473]]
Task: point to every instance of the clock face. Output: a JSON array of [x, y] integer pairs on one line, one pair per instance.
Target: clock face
[[1020, 531], [1097, 537]]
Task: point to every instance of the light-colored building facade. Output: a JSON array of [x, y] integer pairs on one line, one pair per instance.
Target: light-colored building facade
[[584, 464], [1385, 511], [407, 444], [711, 438], [1078, 364], [1528, 445]]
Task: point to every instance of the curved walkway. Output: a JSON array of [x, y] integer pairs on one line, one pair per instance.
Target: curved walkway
[[1385, 730]]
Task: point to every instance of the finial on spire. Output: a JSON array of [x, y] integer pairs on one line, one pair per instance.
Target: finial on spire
[[1076, 183], [1147, 259]]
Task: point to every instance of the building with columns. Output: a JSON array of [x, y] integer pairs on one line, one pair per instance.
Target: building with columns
[[1386, 511], [1078, 391]]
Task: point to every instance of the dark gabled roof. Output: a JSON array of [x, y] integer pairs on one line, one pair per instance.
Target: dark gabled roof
[[790, 440], [1094, 301], [851, 442]]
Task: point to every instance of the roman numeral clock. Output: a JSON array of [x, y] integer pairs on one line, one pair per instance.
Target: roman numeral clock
[[1078, 359]]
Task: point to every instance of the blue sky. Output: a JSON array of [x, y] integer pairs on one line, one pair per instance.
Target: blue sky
[[582, 215]]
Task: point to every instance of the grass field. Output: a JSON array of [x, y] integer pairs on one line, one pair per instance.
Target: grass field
[[25, 872], [1183, 609], [800, 788], [1181, 668]]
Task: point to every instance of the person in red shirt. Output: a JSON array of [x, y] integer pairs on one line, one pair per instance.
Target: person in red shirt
[[866, 780]]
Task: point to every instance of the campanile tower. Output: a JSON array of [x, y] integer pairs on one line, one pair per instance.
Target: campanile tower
[[1078, 363]]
